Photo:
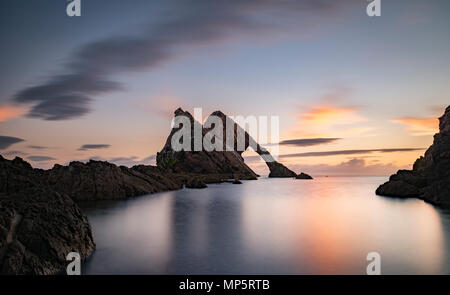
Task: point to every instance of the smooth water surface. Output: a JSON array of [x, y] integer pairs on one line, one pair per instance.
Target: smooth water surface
[[269, 226]]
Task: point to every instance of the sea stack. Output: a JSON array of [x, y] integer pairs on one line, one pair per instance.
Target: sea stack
[[303, 176], [228, 163], [430, 177]]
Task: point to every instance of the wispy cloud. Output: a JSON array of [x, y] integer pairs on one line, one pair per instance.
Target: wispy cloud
[[331, 115], [308, 141], [86, 147], [352, 167], [349, 152], [37, 147], [14, 153], [123, 161], [420, 126], [9, 112], [340, 152], [88, 71], [133, 160], [7, 141], [40, 158]]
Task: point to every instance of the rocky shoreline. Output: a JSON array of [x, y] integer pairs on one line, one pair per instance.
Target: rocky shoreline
[[40, 222], [429, 179], [38, 226]]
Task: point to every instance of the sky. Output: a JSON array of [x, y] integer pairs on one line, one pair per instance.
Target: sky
[[355, 95]]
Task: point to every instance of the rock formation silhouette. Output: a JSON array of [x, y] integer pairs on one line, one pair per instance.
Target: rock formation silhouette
[[229, 161], [430, 177]]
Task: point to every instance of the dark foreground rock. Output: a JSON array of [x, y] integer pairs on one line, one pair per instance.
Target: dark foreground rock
[[303, 176], [38, 226], [228, 162], [430, 178], [98, 180], [40, 222]]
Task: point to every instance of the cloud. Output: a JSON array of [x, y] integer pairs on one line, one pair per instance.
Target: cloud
[[8, 112], [86, 147], [133, 160], [87, 72], [123, 161], [308, 141], [37, 147], [420, 126], [349, 152], [40, 158], [149, 158], [330, 115], [14, 153], [352, 167], [7, 141], [340, 152]]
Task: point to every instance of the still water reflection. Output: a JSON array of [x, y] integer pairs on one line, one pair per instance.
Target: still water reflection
[[269, 226]]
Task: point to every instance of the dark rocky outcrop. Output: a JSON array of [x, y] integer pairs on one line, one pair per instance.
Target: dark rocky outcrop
[[228, 162], [40, 222], [278, 170], [430, 178], [195, 182], [97, 180], [38, 226], [303, 176]]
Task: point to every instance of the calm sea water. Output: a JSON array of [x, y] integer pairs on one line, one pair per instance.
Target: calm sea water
[[269, 226]]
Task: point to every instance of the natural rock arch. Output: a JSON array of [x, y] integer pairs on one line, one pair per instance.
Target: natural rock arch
[[217, 162]]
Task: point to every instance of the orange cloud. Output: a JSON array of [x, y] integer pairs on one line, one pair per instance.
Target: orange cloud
[[420, 126], [327, 120], [331, 115], [9, 112]]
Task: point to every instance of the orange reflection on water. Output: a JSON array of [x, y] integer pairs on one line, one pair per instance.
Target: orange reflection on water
[[329, 225]]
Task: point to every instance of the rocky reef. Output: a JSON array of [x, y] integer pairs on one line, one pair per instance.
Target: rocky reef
[[430, 177], [98, 180], [228, 162], [40, 221]]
